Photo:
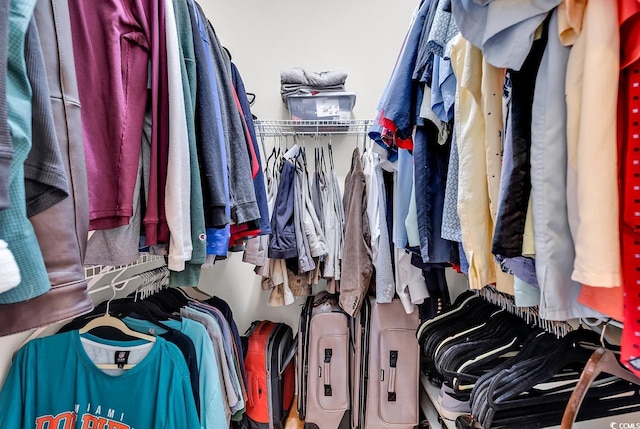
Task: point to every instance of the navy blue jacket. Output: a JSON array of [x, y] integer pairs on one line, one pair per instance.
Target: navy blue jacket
[[258, 181]]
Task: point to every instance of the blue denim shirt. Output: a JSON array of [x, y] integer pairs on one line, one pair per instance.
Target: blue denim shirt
[[430, 161], [400, 97]]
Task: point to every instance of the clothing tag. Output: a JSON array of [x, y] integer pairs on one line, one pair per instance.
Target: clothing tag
[[122, 358]]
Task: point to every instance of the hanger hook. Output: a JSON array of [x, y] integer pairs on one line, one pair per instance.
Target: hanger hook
[[113, 289], [604, 329]]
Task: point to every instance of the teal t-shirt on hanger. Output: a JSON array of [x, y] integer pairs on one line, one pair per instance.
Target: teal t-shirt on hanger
[[55, 384]]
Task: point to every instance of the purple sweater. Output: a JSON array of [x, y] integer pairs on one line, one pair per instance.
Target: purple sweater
[[117, 43]]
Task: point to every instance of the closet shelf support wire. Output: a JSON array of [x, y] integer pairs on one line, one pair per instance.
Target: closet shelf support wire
[[91, 271], [100, 276], [277, 128]]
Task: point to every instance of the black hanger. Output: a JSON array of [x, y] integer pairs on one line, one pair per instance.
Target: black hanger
[[271, 156], [464, 366], [154, 310], [145, 310], [330, 149], [472, 313], [502, 333], [515, 387], [168, 300], [536, 341], [423, 329]]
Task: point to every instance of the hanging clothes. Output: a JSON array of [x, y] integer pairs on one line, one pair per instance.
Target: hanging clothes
[[356, 275], [178, 182], [121, 245], [282, 244], [593, 199], [241, 192], [15, 228], [258, 180], [209, 327], [305, 261], [112, 178], [61, 229], [515, 186], [474, 210], [212, 149], [430, 172], [190, 276], [555, 251], [396, 108], [230, 385], [504, 31]]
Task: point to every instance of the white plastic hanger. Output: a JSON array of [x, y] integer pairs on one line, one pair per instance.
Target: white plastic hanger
[[113, 322]]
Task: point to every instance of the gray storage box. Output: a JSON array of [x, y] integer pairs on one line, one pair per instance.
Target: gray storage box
[[324, 106]]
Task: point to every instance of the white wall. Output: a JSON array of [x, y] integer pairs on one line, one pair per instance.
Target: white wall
[[362, 37]]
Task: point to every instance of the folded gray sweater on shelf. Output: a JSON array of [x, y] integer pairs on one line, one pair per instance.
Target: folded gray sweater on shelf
[[312, 79], [297, 89]]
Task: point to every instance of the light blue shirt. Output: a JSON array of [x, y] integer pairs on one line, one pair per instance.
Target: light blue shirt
[[212, 400], [229, 350], [503, 29], [555, 252], [404, 183], [226, 368]]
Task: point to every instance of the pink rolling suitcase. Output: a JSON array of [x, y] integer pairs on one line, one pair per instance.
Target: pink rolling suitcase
[[385, 367], [323, 352]]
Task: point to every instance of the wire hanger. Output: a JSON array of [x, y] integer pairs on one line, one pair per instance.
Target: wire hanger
[[330, 155], [364, 142]]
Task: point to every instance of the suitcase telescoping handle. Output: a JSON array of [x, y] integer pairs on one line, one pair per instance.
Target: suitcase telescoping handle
[[393, 363], [291, 352]]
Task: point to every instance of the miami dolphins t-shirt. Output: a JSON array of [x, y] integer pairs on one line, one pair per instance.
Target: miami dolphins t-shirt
[[54, 384]]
